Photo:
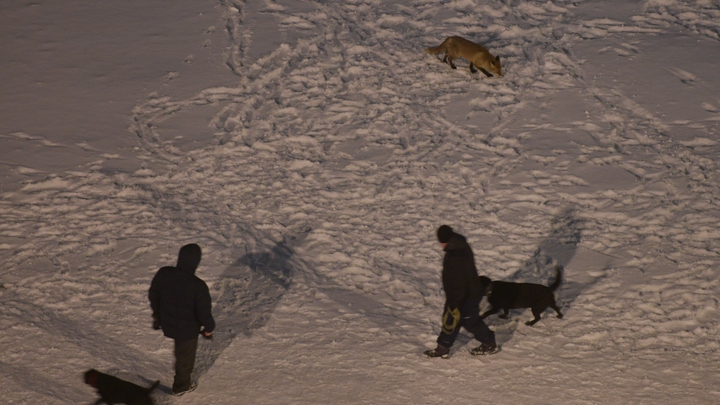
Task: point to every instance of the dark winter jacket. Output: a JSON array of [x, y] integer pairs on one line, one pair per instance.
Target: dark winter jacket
[[179, 299], [459, 275]]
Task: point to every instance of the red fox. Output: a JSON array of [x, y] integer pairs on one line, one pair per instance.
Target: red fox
[[479, 57]]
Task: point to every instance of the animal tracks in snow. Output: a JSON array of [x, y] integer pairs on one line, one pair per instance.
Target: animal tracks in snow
[[335, 157]]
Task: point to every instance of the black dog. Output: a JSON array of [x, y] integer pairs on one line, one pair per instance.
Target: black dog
[[113, 390], [506, 296]]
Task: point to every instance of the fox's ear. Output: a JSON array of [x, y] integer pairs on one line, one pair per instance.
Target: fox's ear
[[497, 58]]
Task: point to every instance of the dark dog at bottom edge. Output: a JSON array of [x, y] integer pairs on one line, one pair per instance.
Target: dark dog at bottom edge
[[113, 390], [506, 296]]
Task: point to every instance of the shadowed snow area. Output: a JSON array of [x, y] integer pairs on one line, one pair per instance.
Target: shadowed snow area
[[314, 162]]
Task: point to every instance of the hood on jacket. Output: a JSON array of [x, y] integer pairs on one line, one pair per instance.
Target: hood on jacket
[[189, 258], [444, 233], [455, 242]]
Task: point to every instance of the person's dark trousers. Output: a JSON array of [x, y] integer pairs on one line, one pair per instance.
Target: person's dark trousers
[[184, 362], [469, 318]]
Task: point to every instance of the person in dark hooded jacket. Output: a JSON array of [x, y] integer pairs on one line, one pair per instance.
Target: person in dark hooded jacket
[[182, 307], [463, 294]]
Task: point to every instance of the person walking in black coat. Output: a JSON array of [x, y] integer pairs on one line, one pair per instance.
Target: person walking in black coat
[[463, 294], [182, 307]]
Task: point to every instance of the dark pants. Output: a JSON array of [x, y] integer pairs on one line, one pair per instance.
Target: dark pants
[[184, 363], [469, 318]]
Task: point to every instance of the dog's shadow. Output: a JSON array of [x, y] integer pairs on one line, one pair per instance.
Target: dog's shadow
[[245, 296], [557, 249], [160, 396]]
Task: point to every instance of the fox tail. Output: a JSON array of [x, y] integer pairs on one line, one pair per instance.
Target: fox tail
[[434, 50]]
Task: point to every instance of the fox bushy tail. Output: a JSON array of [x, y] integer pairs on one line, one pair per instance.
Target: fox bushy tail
[[434, 50]]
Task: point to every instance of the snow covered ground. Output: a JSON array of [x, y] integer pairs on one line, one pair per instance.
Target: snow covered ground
[[312, 148]]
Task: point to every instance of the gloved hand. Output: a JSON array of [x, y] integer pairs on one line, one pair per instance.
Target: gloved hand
[[207, 335]]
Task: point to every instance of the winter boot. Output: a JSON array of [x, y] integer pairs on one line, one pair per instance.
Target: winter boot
[[439, 351], [485, 349], [193, 385]]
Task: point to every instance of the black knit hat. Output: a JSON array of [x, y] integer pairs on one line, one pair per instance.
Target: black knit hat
[[444, 233]]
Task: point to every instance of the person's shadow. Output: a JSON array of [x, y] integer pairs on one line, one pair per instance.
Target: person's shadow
[[556, 250], [244, 298]]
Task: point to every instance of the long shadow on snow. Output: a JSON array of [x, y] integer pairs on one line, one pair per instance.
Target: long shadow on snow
[[83, 334], [31, 381], [247, 293], [557, 249], [131, 363]]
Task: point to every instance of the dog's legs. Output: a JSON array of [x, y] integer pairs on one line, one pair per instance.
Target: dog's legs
[[536, 312], [489, 312], [555, 307]]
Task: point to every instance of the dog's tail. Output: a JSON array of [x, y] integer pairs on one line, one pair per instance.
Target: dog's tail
[[152, 387], [558, 278]]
